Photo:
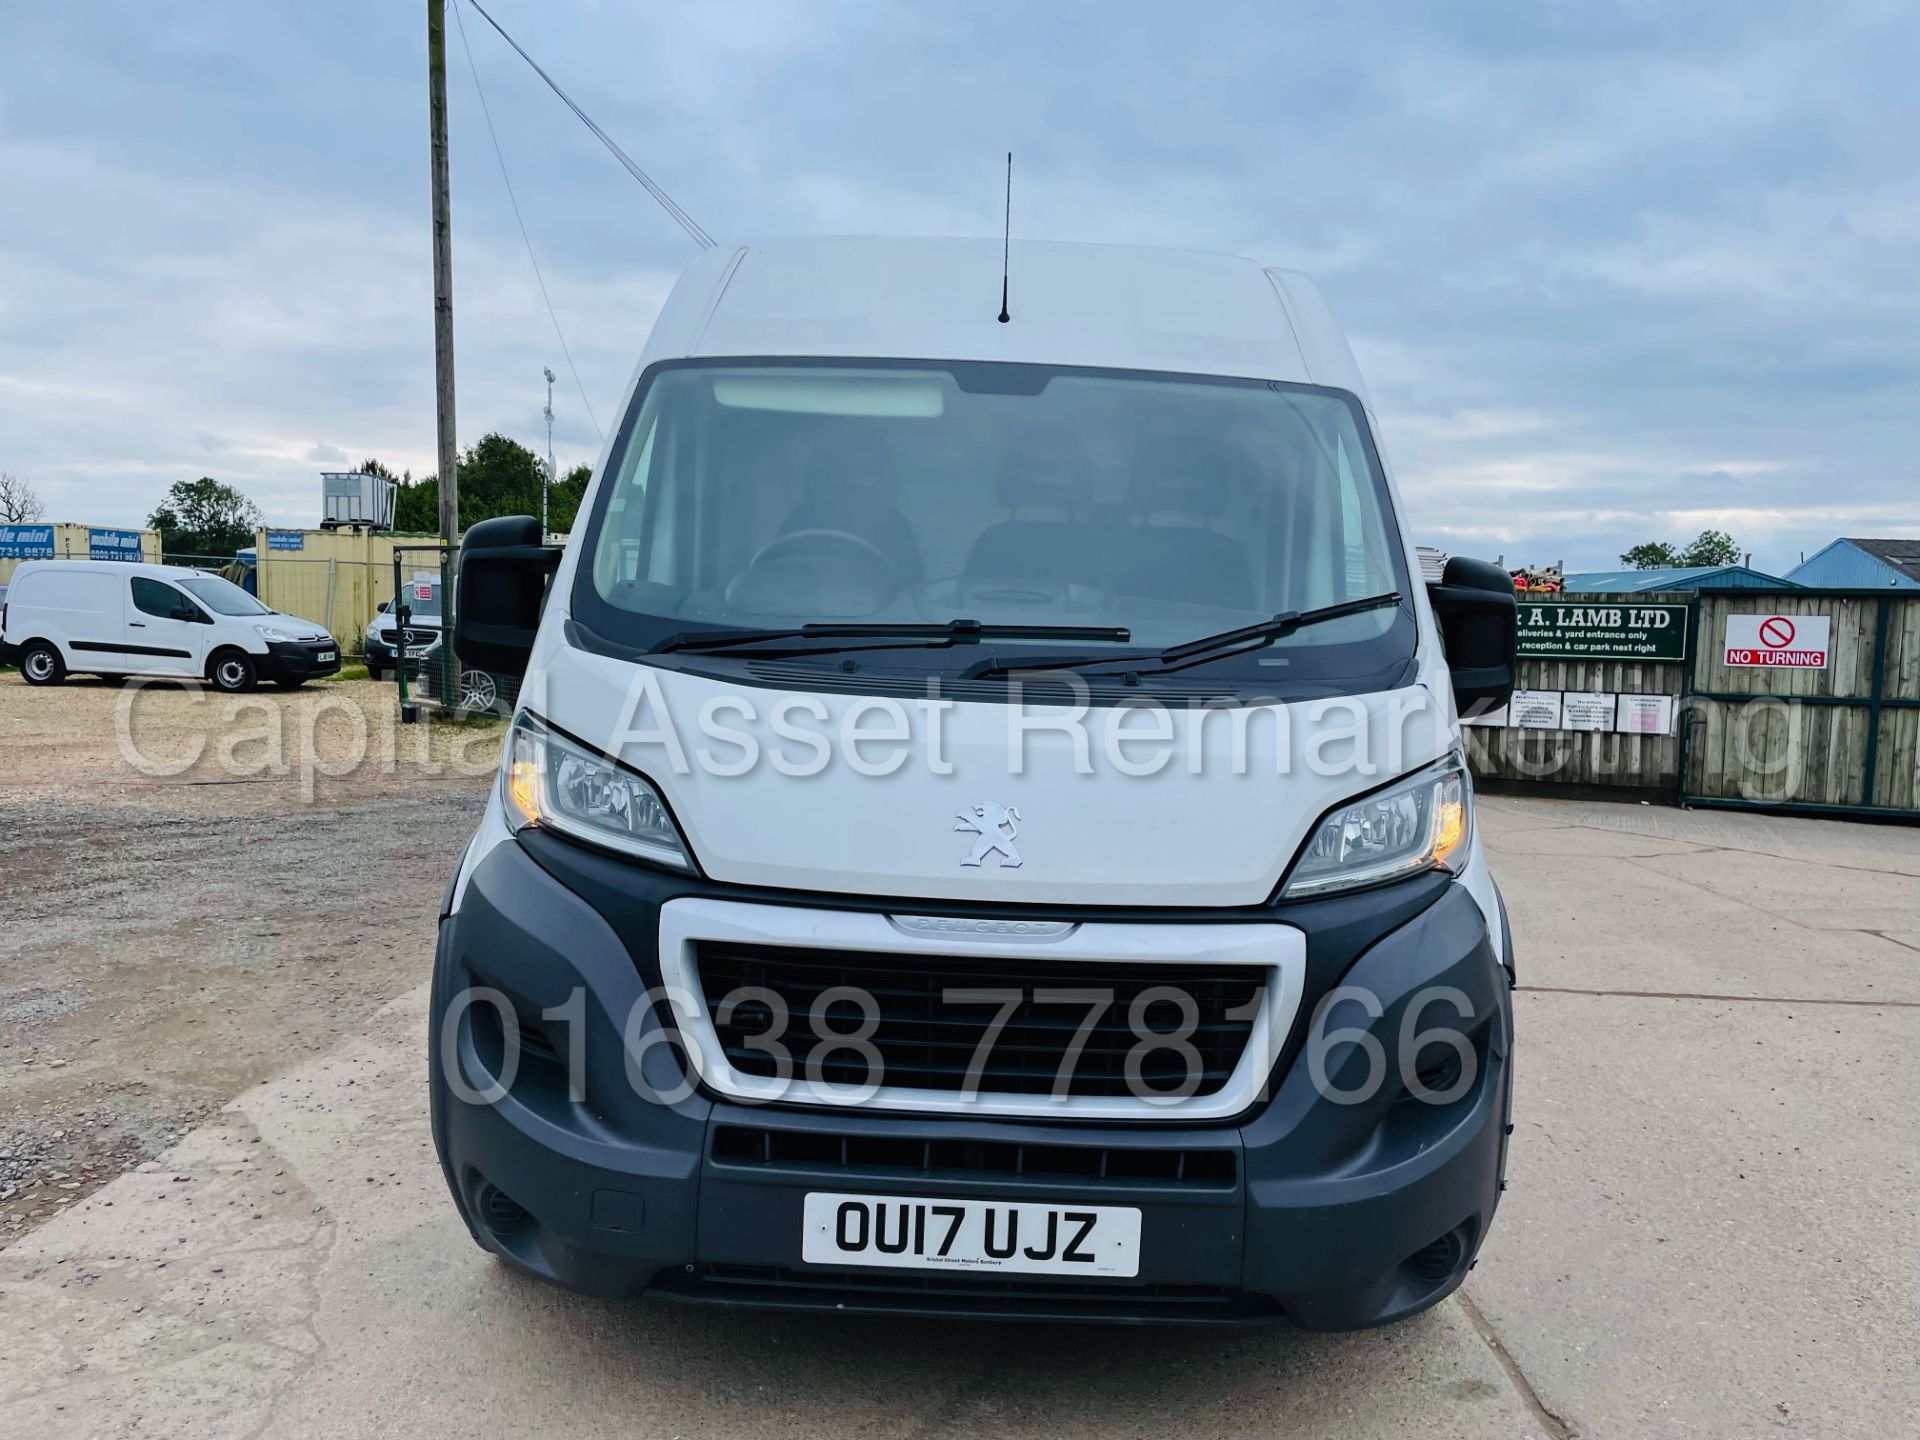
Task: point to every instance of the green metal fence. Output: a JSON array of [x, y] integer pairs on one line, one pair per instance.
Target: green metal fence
[[428, 675]]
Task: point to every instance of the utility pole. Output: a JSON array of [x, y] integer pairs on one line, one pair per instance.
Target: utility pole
[[442, 274], [547, 484]]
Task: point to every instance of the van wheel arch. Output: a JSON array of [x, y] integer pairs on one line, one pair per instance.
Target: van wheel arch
[[232, 670], [41, 662]]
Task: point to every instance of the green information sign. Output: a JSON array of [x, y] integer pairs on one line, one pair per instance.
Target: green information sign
[[1614, 630]]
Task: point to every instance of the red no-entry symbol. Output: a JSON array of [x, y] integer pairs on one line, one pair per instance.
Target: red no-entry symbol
[[1777, 632]]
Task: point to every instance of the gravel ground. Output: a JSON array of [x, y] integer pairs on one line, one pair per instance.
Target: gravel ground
[[172, 933]]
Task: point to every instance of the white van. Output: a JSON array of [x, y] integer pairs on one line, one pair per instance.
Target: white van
[[115, 617], [984, 830]]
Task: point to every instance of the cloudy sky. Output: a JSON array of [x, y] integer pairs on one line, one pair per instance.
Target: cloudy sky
[[1615, 272]]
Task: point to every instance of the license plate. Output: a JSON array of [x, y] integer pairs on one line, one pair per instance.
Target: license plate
[[324, 656], [916, 1232]]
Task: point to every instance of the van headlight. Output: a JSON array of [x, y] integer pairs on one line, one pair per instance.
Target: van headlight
[[1420, 823], [549, 780]]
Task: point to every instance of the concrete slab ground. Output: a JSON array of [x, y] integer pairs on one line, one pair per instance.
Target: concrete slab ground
[[1711, 1229]]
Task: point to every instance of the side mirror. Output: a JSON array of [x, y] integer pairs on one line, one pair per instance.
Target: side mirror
[[381, 608], [1479, 621], [500, 588]]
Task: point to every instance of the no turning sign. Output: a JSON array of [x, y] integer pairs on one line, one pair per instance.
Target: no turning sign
[[1794, 642]]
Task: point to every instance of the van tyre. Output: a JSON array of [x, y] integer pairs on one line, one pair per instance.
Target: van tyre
[[40, 664], [232, 672]]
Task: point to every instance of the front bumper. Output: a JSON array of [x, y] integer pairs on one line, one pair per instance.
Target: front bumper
[[421, 660], [1337, 1215], [293, 660]]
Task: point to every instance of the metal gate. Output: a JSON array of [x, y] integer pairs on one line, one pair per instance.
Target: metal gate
[[430, 676], [1803, 700]]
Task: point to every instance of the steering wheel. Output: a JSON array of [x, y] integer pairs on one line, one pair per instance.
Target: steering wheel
[[850, 575]]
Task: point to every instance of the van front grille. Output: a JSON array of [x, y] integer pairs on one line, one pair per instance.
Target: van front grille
[[1139, 1029]]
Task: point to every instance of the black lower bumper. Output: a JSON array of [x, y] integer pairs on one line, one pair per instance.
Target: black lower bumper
[[291, 661], [1339, 1212]]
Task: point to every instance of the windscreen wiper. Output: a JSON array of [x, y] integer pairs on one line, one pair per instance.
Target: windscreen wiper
[[1193, 652], [953, 632]]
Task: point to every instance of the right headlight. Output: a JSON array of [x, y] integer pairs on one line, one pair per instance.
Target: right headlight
[[1420, 823], [549, 780]]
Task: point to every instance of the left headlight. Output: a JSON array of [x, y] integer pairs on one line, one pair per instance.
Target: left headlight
[[549, 780], [1420, 823]]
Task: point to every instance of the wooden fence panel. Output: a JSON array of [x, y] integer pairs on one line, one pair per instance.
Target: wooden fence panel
[[1574, 757], [1805, 735], [1767, 736]]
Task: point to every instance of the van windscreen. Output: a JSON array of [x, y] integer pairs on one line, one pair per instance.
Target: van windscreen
[[223, 597], [757, 494]]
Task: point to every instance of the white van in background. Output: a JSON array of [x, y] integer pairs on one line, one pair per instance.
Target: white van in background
[[112, 617]]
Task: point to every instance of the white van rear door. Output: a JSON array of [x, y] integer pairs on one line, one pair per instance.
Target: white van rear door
[[77, 608], [159, 640]]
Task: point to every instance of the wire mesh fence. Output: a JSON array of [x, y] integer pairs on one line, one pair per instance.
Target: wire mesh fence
[[344, 596], [420, 652]]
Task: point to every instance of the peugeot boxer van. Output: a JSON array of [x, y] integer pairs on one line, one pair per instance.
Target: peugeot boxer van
[[122, 618], [984, 830]]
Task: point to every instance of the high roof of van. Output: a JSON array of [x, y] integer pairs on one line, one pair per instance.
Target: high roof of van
[[1115, 306]]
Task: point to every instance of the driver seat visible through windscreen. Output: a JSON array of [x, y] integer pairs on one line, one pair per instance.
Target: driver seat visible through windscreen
[[1049, 535], [850, 485]]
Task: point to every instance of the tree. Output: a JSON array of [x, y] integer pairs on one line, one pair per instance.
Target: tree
[[416, 506], [17, 500], [1654, 555], [204, 517], [498, 476], [563, 504], [1711, 547]]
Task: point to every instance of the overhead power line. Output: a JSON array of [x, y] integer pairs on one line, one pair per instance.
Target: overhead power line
[[667, 202], [514, 201]]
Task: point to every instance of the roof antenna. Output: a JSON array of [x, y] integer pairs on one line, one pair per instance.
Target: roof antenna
[[1006, 242]]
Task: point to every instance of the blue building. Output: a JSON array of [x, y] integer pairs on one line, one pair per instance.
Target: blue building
[[1674, 577], [1862, 565]]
